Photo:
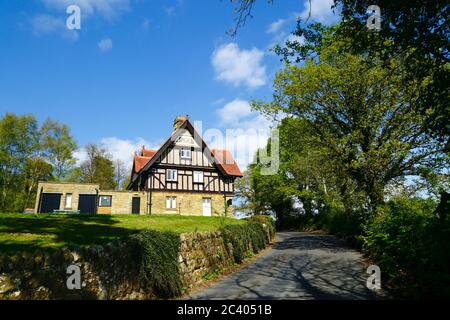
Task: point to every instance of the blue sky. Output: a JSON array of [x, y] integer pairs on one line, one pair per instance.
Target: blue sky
[[136, 64]]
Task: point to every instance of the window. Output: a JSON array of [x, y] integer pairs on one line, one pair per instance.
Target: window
[[171, 202], [198, 176], [68, 203], [185, 153], [104, 201], [171, 175]]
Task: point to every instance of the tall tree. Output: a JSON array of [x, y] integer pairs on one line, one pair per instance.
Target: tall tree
[[58, 147], [98, 168], [19, 138], [363, 113], [120, 173]]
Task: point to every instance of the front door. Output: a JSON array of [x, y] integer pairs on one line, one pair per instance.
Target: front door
[[207, 207], [136, 205]]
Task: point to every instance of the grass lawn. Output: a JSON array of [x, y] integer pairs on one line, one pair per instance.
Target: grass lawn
[[27, 232]]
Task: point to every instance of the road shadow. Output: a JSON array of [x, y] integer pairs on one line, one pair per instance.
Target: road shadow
[[300, 266]]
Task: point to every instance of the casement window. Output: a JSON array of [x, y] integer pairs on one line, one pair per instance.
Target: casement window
[[171, 202], [104, 201], [68, 202], [198, 176], [171, 175], [185, 153]]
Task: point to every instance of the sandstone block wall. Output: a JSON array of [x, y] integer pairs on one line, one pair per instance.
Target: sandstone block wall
[[64, 188], [189, 203], [107, 272]]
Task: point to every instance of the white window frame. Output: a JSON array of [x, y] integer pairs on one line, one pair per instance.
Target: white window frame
[[185, 153], [173, 176], [197, 176], [68, 201], [171, 202]]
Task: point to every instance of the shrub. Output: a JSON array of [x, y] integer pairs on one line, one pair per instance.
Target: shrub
[[267, 220], [250, 236], [412, 248], [156, 254]]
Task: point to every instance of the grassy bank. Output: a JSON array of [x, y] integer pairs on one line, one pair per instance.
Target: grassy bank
[[23, 232]]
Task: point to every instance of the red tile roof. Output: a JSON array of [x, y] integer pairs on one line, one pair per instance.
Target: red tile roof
[[226, 161], [143, 159], [140, 162], [148, 153]]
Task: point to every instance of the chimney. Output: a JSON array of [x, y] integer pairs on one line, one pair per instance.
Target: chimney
[[179, 121]]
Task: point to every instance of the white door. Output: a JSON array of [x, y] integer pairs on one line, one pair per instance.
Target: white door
[[207, 207]]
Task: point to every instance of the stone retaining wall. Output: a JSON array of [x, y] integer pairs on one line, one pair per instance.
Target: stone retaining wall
[[107, 272]]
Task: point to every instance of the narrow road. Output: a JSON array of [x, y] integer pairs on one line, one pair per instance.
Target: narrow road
[[300, 266]]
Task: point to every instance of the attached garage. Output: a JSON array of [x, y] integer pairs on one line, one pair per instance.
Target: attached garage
[[87, 203], [50, 202]]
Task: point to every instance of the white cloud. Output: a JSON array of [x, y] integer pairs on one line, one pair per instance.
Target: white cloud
[[244, 131], [119, 149], [320, 11], [44, 24], [108, 9], [105, 45], [236, 66], [234, 111], [274, 27]]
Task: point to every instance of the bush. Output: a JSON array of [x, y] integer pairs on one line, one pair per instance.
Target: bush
[[250, 236], [266, 220], [412, 248], [156, 254]]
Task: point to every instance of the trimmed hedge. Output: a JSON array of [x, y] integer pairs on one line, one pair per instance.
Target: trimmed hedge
[[156, 254], [244, 238]]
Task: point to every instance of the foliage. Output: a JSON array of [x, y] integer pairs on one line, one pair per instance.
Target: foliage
[[156, 254], [47, 232], [411, 245], [249, 236], [29, 153], [58, 146], [362, 114], [419, 32], [97, 168]]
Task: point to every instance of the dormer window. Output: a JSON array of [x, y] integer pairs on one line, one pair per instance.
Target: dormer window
[[185, 153]]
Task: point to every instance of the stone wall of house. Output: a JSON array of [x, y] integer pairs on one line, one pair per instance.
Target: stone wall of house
[[64, 188], [188, 203], [121, 202]]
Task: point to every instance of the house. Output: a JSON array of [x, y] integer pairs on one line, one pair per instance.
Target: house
[[182, 177]]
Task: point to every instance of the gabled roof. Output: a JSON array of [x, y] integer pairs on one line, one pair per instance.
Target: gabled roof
[[225, 160], [139, 161], [222, 158]]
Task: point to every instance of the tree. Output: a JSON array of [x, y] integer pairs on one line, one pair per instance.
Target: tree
[[36, 169], [120, 173], [415, 31], [363, 114], [58, 147], [19, 138], [98, 168]]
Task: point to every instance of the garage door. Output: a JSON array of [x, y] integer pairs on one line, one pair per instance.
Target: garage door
[[50, 202], [87, 203]]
